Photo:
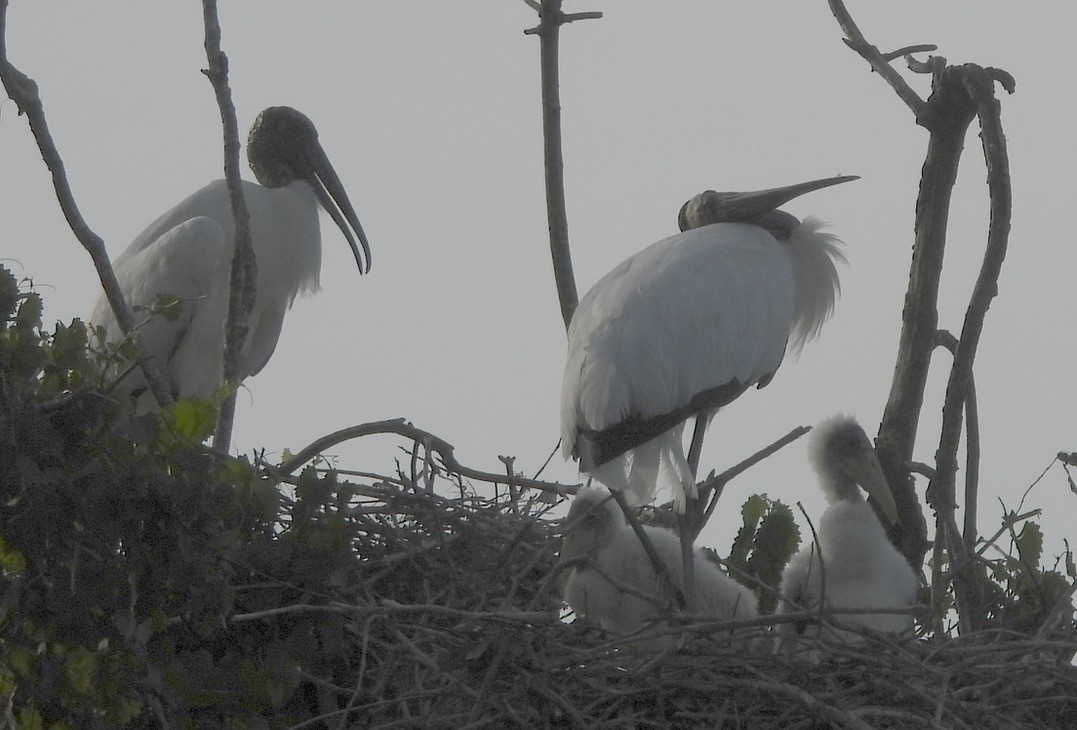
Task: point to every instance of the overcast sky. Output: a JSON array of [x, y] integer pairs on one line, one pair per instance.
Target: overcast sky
[[430, 113]]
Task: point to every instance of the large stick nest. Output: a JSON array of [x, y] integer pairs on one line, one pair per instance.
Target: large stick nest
[[456, 622]]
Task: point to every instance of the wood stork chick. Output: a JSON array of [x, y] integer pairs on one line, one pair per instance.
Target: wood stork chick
[[685, 326], [615, 560], [862, 568], [187, 253]]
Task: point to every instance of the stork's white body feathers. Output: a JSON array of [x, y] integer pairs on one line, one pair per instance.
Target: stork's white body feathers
[[591, 595], [614, 550], [187, 253], [863, 570], [710, 308], [860, 567]]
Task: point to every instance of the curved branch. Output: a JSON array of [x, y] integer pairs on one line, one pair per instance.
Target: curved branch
[[878, 61], [548, 30], [980, 88], [429, 441], [909, 50], [972, 450], [979, 85], [23, 91], [242, 285], [947, 115]]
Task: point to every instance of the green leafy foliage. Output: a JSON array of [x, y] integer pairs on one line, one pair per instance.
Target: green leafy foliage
[[146, 581], [120, 558], [168, 306], [1021, 595], [767, 539], [191, 420]]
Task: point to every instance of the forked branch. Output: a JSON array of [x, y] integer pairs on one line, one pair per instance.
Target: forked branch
[[942, 488], [946, 115], [959, 94], [879, 61]]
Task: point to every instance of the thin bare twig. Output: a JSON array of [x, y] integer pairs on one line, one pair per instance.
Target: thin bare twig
[[391, 608], [818, 547], [659, 566], [551, 18], [443, 448], [1008, 521], [716, 484], [878, 61], [242, 285], [909, 50], [23, 91]]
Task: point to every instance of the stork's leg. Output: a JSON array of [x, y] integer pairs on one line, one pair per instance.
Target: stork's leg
[[686, 523], [226, 416], [685, 533], [696, 448]]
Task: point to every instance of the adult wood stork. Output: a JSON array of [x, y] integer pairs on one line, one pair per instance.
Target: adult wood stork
[[685, 326], [859, 568], [609, 586], [186, 253]]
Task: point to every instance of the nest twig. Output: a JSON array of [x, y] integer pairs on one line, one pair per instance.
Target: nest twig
[[450, 617]]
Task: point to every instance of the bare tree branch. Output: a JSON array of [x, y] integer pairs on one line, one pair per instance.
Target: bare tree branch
[[429, 441], [665, 580], [24, 92], [941, 493], [548, 30], [710, 490], [979, 84], [919, 467], [713, 487], [243, 283], [908, 50], [972, 451], [878, 61], [946, 115]]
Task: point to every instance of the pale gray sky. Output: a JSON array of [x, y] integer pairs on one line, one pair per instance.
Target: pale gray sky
[[430, 113]]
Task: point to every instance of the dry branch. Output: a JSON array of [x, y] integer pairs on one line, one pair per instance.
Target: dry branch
[[551, 18], [429, 442], [946, 115], [477, 641], [979, 86], [972, 450], [880, 62], [713, 487], [242, 283], [24, 92]]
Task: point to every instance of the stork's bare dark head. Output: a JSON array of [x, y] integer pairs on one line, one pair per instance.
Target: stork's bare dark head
[[276, 144], [844, 457], [759, 207], [282, 148], [842, 438]]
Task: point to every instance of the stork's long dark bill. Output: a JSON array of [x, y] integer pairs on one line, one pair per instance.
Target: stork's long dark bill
[[868, 473], [331, 195], [712, 207]]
